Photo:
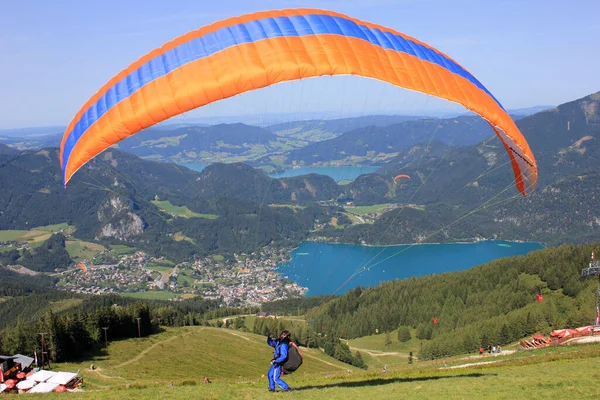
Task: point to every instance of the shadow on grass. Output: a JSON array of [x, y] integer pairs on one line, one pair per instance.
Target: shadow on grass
[[384, 381]]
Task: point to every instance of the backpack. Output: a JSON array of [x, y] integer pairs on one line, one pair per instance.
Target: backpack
[[294, 359]]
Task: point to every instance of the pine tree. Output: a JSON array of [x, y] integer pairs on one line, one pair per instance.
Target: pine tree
[[403, 334], [388, 339], [358, 361]]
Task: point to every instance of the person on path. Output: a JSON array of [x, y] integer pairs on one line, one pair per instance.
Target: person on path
[[280, 355]]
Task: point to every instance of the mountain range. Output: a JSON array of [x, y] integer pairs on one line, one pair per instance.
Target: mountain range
[[278, 146], [117, 197], [451, 182]]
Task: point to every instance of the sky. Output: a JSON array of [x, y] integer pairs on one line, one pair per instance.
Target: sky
[[54, 55]]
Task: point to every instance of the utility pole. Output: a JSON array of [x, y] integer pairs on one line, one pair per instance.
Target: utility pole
[[44, 352], [309, 329], [139, 331], [593, 269], [105, 335]]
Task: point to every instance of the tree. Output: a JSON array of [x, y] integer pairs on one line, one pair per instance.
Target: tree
[[240, 323], [358, 361], [388, 339], [505, 334], [403, 334]]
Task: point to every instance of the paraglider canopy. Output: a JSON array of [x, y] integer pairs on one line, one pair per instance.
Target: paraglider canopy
[[435, 320], [401, 177], [82, 266], [257, 50]]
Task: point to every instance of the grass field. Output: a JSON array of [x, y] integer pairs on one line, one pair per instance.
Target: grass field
[[34, 235], [53, 228], [236, 363], [189, 354], [180, 211], [11, 235], [79, 250], [179, 236], [151, 295], [159, 268], [377, 343], [362, 210], [183, 277], [122, 249]]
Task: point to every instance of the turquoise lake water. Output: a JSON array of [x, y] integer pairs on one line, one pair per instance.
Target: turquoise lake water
[[337, 173], [328, 268]]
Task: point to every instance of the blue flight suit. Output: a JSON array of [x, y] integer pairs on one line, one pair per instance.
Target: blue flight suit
[[279, 357]]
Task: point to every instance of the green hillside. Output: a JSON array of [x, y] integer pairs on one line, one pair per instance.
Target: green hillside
[[486, 305], [189, 354], [172, 365]]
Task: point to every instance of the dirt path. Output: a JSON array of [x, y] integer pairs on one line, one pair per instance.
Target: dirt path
[[236, 316], [377, 353], [323, 361], [237, 334], [100, 374], [143, 353], [471, 364], [585, 339]]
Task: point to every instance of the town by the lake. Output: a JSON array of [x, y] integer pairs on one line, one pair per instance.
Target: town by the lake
[[248, 280]]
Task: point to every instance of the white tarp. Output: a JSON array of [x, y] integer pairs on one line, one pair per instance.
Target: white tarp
[[62, 378], [42, 376], [26, 384], [2, 387], [44, 387]]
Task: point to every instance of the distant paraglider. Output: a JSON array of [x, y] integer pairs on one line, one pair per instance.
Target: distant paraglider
[[403, 176], [82, 266], [435, 320]]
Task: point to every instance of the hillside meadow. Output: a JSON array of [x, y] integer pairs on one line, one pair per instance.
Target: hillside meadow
[[172, 365]]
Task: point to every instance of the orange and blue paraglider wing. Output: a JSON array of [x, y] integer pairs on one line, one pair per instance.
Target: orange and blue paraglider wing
[[253, 51], [82, 266]]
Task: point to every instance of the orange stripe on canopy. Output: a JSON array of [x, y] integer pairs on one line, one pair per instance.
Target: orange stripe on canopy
[[278, 58]]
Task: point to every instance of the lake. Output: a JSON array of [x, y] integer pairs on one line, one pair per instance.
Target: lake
[[193, 166], [328, 268], [337, 173]]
